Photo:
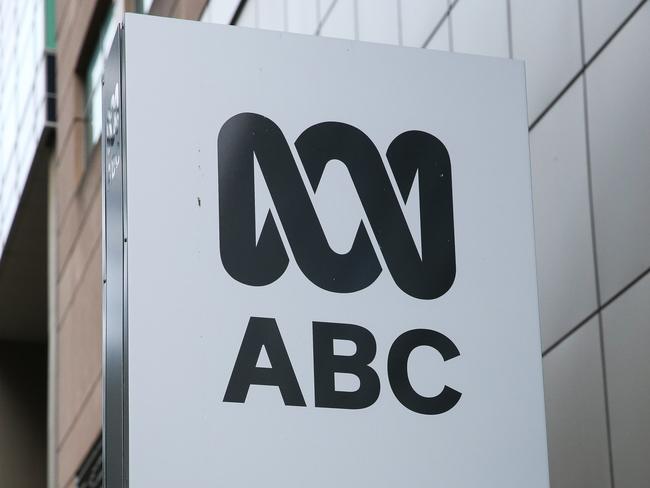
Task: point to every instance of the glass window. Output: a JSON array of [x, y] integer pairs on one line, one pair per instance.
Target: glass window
[[94, 79]]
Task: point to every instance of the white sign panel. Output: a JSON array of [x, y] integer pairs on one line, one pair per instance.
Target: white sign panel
[[320, 264]]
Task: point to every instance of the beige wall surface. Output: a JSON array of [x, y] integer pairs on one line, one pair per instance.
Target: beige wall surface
[[76, 189]]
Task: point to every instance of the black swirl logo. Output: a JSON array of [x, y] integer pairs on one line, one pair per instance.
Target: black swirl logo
[[259, 262]]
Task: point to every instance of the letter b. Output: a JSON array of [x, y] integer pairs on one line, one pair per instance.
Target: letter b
[[326, 364]]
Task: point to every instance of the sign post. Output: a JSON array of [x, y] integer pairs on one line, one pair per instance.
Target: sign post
[[319, 264]]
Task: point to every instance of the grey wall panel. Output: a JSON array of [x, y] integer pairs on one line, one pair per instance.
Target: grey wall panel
[[248, 15], [627, 345], [324, 6], [419, 18], [271, 14], [440, 41], [481, 27], [619, 122], [378, 21], [601, 18], [547, 36], [302, 16], [340, 22], [220, 12], [575, 412], [563, 240]]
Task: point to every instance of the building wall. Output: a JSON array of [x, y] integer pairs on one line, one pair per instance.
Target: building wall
[[23, 96], [75, 182], [76, 196], [589, 117], [27, 117]]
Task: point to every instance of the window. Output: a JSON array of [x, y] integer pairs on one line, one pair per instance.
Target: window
[[94, 79]]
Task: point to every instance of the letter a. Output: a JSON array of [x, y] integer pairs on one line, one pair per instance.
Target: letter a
[[263, 332]]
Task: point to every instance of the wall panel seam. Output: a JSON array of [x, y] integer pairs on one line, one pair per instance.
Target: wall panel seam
[[68, 305], [445, 16], [84, 219], [586, 65], [617, 295]]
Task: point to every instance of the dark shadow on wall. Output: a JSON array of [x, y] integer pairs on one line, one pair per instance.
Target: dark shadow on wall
[[23, 414]]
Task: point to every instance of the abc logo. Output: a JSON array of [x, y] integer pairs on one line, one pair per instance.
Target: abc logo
[[247, 136], [262, 261]]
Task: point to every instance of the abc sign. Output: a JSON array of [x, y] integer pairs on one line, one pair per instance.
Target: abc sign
[[260, 262]]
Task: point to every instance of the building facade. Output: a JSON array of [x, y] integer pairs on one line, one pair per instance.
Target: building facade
[[27, 130], [589, 118]]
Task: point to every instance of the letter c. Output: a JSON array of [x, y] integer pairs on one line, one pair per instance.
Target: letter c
[[398, 371]]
